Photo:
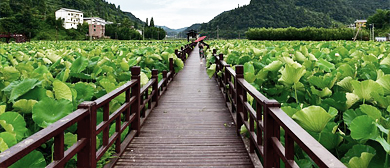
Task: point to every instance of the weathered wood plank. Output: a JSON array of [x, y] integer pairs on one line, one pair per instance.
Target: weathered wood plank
[[191, 127]]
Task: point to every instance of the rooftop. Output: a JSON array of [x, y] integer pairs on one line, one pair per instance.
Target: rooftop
[[70, 10]]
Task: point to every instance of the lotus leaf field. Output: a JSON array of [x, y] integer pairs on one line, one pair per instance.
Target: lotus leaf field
[[338, 91], [41, 82]]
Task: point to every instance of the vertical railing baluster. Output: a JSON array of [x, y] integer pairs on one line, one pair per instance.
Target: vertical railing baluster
[[86, 128], [171, 68], [289, 148], [135, 91], [155, 86], [165, 73], [239, 103], [220, 68], [271, 129], [58, 147], [106, 130], [259, 120], [118, 130], [226, 81]]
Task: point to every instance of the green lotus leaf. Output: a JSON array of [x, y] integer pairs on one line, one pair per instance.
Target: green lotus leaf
[[179, 63], [22, 88], [346, 70], [324, 93], [3, 145], [385, 61], [359, 156], [384, 143], [249, 68], [313, 118], [70, 139], [8, 138], [291, 74], [10, 73], [365, 88], [298, 56], [330, 140], [349, 115], [325, 65], [289, 110], [371, 111], [363, 127], [49, 110], [346, 84], [38, 93], [384, 81], [323, 81], [33, 159], [13, 123], [124, 133], [84, 91], [2, 109], [351, 99], [274, 66], [211, 70], [144, 79], [24, 106], [107, 85], [79, 65], [61, 90], [333, 112]]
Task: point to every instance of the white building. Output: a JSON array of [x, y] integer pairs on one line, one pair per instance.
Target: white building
[[71, 17]]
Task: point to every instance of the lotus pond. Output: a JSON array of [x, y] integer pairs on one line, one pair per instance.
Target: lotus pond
[[41, 82], [338, 91]]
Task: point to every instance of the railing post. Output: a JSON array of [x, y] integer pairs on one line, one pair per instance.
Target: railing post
[[226, 81], [165, 75], [239, 103], [86, 128], [171, 68], [220, 68], [271, 129], [155, 86], [182, 54], [177, 53], [135, 91]]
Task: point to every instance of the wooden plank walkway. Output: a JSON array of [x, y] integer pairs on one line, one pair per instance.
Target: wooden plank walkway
[[191, 127]]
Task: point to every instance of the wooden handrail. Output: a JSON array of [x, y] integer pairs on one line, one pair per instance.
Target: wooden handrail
[[269, 119], [87, 129]]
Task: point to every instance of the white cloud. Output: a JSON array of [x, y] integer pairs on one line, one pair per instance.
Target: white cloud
[[177, 13]]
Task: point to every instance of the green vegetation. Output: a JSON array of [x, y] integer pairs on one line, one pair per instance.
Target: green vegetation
[[338, 91], [290, 13], [36, 18], [381, 21], [307, 33], [41, 82]]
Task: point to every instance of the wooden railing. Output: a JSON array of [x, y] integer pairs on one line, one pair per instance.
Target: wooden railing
[[269, 119], [138, 104]]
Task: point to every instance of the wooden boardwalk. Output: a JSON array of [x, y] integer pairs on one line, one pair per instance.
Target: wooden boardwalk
[[191, 127]]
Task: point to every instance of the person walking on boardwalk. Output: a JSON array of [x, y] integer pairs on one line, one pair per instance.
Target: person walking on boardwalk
[[201, 50]]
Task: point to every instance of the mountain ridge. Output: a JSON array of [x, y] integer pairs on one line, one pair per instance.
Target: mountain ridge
[[290, 13]]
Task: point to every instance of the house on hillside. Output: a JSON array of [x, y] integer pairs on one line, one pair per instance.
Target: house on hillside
[[71, 17], [360, 23], [97, 26]]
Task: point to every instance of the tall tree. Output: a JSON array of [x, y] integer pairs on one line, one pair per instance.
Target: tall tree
[[151, 22], [147, 23]]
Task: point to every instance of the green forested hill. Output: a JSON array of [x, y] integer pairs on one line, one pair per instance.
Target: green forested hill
[[295, 13], [36, 18]]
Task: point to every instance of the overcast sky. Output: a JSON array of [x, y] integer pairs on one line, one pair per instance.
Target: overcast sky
[[177, 14]]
